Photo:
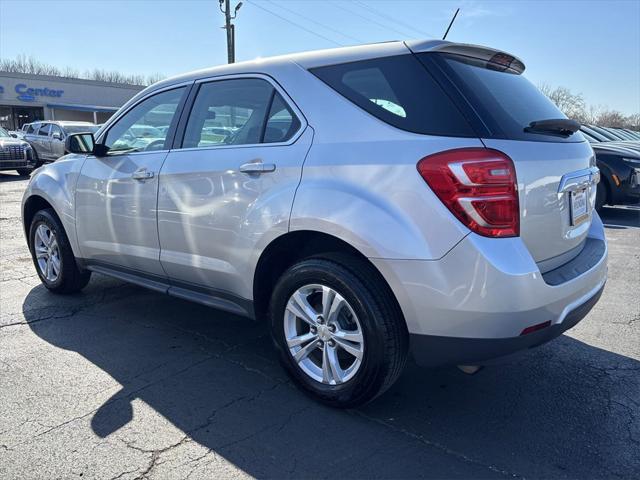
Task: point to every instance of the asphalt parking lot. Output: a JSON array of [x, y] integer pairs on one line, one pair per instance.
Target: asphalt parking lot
[[121, 382]]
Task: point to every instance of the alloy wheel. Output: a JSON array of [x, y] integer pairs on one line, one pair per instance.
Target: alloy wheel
[[323, 334], [47, 252]]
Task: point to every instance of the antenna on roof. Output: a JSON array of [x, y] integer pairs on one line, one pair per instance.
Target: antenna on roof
[[451, 23]]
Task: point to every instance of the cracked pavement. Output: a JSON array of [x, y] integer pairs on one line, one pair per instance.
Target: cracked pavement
[[119, 383]]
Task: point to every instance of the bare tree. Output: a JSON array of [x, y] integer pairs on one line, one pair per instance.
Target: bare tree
[[612, 118], [571, 104], [574, 106], [24, 64], [633, 121]]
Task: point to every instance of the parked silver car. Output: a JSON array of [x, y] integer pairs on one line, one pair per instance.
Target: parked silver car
[[15, 154], [366, 201], [48, 138]]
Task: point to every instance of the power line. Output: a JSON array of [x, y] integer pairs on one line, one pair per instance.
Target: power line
[[384, 15], [404, 34], [294, 23], [316, 22]]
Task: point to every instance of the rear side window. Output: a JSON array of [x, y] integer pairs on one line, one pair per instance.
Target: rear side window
[[244, 111], [399, 91], [506, 101]]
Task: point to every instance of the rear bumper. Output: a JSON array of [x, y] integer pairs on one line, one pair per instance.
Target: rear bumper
[[475, 302], [431, 350]]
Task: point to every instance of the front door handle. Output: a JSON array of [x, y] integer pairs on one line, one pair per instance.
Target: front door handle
[[257, 167], [142, 174]]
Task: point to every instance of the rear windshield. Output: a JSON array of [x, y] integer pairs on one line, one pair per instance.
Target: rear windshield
[[506, 101], [399, 91]]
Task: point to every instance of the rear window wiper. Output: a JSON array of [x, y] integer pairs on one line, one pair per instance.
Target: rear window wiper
[[563, 127]]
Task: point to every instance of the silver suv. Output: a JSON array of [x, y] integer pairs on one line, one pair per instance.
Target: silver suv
[[48, 138], [15, 154], [367, 202]]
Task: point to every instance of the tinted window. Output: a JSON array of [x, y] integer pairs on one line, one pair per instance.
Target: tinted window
[[31, 128], [505, 100], [399, 91], [44, 130], [282, 123], [228, 112], [138, 130]]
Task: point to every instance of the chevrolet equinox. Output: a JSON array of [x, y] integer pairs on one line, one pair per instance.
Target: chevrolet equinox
[[366, 201]]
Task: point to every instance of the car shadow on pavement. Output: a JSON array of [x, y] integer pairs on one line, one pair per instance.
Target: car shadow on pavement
[[4, 177], [566, 409]]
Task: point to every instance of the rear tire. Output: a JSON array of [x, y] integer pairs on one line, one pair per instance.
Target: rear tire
[[366, 311], [52, 255]]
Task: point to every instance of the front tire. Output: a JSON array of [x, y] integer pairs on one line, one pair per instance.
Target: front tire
[[340, 333], [52, 255]]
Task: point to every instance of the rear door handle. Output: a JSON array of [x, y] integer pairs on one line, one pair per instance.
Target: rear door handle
[[257, 167], [142, 174]]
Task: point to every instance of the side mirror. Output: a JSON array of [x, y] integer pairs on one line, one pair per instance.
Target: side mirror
[[56, 136], [80, 143], [13, 135]]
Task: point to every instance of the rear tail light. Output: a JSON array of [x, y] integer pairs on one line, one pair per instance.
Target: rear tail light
[[479, 186]]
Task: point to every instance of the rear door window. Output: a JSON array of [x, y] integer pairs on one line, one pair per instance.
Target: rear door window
[[56, 129], [44, 130], [399, 91], [228, 112], [505, 100], [242, 111], [282, 123]]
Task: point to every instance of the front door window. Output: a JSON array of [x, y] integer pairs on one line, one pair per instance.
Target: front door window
[[145, 127]]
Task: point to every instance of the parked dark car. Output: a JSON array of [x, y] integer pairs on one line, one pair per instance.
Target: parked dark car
[[635, 135], [619, 166]]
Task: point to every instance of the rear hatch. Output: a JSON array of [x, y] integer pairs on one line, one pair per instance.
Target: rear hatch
[[553, 161]]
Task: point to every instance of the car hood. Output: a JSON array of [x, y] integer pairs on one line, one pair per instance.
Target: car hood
[[12, 142]]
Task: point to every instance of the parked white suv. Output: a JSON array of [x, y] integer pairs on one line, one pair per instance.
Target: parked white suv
[[368, 201]]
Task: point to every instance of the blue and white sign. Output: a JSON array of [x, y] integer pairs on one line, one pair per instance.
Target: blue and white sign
[[28, 94]]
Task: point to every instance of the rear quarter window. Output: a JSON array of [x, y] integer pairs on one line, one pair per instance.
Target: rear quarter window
[[399, 91]]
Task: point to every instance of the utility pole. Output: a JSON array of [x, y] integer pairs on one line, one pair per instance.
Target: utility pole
[[230, 28]]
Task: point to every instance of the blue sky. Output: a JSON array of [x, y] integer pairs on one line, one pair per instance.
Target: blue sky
[[592, 47]]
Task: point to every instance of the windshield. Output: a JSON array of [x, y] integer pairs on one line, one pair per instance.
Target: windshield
[[505, 100], [80, 128], [4, 133]]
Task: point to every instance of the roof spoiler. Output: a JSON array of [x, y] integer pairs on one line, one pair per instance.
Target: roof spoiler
[[491, 56]]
